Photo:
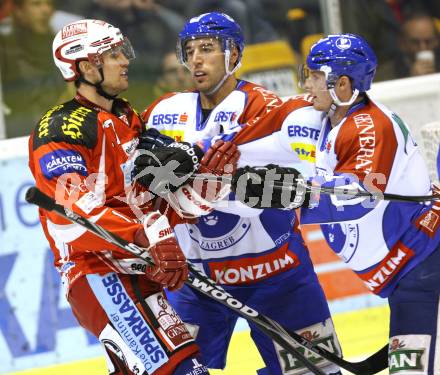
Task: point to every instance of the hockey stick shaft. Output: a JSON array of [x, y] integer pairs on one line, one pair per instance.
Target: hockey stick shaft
[[208, 287], [372, 365], [197, 281], [348, 192]]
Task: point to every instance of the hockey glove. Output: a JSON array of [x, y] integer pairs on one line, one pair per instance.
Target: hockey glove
[[196, 198], [164, 169], [270, 186], [152, 138], [170, 268], [221, 158]]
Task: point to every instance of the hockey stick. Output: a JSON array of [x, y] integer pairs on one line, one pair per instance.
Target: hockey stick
[[197, 281], [341, 191], [206, 286]]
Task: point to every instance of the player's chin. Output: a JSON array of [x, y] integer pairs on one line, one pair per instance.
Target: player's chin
[[202, 86], [319, 106], [123, 86]]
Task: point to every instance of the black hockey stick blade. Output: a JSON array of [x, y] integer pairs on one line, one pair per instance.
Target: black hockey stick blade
[[269, 327], [369, 366]]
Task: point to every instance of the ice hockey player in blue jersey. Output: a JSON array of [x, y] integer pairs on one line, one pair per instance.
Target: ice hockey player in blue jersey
[[257, 255], [394, 247]]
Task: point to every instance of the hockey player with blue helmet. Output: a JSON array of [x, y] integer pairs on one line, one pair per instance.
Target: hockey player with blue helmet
[[338, 56], [221, 27], [394, 247], [258, 256]]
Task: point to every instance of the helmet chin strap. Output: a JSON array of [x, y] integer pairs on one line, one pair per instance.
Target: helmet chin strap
[[338, 102], [227, 74], [98, 86]]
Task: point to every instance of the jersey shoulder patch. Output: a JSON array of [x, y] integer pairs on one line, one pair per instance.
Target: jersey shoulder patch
[[69, 122]]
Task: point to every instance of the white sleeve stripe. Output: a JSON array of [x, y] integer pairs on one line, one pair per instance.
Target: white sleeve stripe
[[100, 180], [65, 233]]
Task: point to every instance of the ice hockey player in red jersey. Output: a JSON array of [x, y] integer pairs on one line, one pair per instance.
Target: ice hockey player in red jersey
[[81, 154]]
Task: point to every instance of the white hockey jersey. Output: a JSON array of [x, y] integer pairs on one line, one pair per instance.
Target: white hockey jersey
[[236, 244]]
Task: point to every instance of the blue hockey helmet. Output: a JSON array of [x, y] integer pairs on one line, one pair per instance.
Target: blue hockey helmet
[[218, 25], [344, 55]]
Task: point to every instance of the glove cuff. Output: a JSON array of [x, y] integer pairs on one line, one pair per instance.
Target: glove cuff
[[191, 202], [156, 227]]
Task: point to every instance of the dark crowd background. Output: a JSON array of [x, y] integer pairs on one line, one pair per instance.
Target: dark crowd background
[[404, 34]]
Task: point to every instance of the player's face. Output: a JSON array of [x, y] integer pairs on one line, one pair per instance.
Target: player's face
[[206, 62], [316, 85], [115, 69]]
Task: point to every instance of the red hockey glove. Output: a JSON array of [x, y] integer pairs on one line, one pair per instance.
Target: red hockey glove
[[221, 158], [170, 268]]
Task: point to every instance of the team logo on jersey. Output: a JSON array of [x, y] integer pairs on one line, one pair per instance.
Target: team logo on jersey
[[328, 146], [429, 223], [342, 238], [43, 126], [305, 151], [74, 121], [376, 278], [169, 119], [183, 118], [250, 270], [409, 353], [225, 116], [303, 131], [212, 237], [210, 219], [343, 43], [58, 162]]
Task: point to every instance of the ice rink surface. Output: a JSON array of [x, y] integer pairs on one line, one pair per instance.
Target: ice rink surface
[[361, 333]]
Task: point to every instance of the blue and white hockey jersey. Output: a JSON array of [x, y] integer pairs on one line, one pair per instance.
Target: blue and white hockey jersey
[[237, 244], [381, 242]]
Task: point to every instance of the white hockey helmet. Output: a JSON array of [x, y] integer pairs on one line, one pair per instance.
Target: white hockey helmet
[[86, 40]]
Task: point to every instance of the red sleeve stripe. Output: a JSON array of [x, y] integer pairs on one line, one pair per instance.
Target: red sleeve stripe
[[366, 143], [271, 122]]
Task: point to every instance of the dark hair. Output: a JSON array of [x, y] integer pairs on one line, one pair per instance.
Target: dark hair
[[20, 3], [415, 15]]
